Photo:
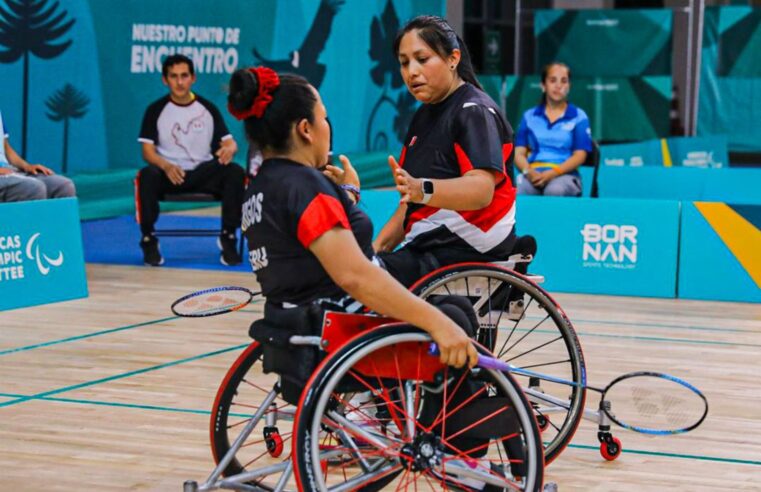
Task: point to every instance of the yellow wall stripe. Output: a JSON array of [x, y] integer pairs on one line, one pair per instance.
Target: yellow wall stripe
[[741, 237], [666, 154]]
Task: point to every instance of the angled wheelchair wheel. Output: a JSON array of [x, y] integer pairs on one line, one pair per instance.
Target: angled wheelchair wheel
[[418, 424], [522, 325], [264, 452]]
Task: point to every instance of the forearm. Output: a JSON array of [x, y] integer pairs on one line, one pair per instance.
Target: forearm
[[14, 159], [468, 192], [153, 158], [573, 162], [376, 289], [392, 233]]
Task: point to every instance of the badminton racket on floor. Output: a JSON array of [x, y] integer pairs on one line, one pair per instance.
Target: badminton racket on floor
[[641, 401], [214, 301]]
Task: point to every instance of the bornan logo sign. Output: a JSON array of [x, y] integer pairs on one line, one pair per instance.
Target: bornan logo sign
[[43, 261], [609, 246]]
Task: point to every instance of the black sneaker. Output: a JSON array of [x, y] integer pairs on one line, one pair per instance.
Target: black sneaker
[[228, 243], [151, 254]]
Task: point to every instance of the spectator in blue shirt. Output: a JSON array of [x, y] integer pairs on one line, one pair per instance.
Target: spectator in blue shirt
[[553, 139]]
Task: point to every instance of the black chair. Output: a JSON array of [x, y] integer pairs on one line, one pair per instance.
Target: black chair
[[593, 160], [187, 198]]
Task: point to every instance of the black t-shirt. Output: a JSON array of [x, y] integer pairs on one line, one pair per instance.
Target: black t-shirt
[[289, 205], [445, 140]]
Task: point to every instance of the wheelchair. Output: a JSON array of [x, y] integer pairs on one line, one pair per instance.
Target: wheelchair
[[380, 411], [522, 325]]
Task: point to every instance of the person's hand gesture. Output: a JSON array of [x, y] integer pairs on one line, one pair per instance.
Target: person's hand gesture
[[544, 178], [38, 169], [409, 188], [226, 151], [5, 170], [342, 175], [175, 174]]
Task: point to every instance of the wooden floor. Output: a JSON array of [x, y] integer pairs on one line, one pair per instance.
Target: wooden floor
[[112, 392]]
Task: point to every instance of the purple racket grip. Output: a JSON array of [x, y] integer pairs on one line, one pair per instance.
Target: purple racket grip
[[484, 362]]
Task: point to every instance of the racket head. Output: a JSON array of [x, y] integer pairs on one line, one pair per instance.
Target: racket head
[[212, 302], [654, 403]]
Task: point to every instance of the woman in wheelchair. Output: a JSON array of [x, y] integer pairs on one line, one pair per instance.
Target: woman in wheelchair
[[308, 242], [432, 421], [455, 169]]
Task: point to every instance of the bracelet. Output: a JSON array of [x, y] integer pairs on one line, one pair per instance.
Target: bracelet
[[526, 171], [354, 190]]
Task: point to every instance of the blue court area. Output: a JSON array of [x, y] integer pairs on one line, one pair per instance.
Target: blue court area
[[115, 241]]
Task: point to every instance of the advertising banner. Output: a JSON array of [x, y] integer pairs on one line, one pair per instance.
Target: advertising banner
[[603, 246], [77, 75], [700, 152], [719, 254], [41, 260]]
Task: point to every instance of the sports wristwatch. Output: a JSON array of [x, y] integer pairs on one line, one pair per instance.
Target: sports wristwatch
[[427, 186]]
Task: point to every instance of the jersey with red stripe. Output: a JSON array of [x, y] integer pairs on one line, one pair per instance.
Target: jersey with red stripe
[[446, 140], [287, 207]]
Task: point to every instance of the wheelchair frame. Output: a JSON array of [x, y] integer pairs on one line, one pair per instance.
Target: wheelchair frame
[[331, 341]]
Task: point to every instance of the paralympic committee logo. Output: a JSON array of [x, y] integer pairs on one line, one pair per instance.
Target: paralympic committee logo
[[609, 246], [43, 261]]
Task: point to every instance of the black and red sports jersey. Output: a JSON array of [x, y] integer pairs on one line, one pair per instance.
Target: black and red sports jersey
[[289, 205], [445, 140]]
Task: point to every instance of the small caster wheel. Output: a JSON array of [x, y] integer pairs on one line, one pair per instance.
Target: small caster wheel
[[611, 448], [273, 442], [542, 421]]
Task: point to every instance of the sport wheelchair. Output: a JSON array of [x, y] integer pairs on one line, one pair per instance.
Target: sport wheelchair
[[380, 411]]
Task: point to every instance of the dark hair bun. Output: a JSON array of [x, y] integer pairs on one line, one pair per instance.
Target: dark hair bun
[[243, 89]]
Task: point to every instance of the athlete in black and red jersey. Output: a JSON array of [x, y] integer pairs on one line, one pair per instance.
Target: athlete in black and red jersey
[[308, 242], [455, 170]]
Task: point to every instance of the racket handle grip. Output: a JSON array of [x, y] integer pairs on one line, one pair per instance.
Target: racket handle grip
[[484, 361]]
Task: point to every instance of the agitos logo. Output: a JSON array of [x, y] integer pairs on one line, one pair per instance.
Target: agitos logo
[[609, 245], [43, 261]]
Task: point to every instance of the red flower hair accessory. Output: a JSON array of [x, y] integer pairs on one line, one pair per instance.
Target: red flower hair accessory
[[268, 82]]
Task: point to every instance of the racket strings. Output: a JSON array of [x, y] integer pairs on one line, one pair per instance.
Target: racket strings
[[212, 302], [655, 403]]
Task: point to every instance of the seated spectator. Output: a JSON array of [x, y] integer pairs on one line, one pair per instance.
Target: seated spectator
[[189, 149], [553, 139], [21, 181]]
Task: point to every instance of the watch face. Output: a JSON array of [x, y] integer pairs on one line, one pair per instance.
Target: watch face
[[428, 187]]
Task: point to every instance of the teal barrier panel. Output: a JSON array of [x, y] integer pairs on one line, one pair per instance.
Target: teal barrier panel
[[703, 152], [739, 185], [603, 246], [720, 252], [41, 258], [594, 246]]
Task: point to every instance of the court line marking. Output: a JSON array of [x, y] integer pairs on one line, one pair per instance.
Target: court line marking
[[660, 325], [207, 412], [102, 332], [121, 376], [641, 338], [82, 337]]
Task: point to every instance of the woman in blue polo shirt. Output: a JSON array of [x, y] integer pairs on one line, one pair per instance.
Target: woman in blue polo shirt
[[553, 139]]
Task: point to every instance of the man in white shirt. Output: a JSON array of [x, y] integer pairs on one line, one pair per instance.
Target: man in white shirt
[[189, 149]]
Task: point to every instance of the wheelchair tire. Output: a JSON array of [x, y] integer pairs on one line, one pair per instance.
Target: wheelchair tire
[[540, 338], [241, 393], [438, 427]]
